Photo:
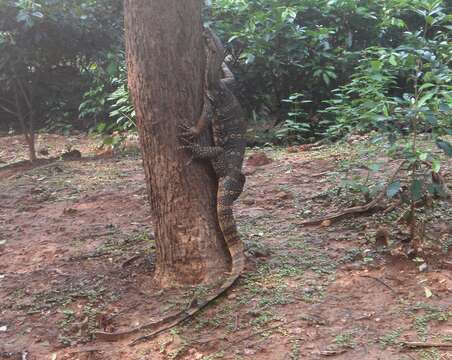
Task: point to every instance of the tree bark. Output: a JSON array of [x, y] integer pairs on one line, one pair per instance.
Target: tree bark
[[26, 124], [165, 58]]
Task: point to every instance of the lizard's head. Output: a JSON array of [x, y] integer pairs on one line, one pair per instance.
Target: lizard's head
[[213, 42], [214, 57]]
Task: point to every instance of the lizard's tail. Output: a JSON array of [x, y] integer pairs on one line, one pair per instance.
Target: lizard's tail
[[228, 190]]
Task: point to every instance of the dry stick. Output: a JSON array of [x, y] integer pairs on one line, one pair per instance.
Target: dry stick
[[168, 322], [380, 281], [426, 344], [86, 349], [355, 209], [49, 163]]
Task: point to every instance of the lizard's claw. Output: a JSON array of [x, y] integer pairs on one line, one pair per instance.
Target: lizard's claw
[[189, 132], [184, 147], [187, 142]]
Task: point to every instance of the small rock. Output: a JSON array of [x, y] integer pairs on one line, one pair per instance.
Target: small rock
[[68, 211], [258, 159], [325, 223], [381, 237], [249, 352], [249, 171], [423, 267], [306, 147], [248, 201], [3, 328], [282, 195], [71, 155]]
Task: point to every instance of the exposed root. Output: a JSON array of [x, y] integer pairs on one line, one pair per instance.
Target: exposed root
[[355, 209], [380, 281], [167, 322], [427, 345]]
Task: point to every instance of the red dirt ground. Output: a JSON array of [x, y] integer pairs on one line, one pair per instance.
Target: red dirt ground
[[68, 229]]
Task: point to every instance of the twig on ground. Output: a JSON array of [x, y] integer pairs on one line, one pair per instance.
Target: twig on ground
[[380, 281], [321, 194], [86, 349], [95, 235], [130, 260], [355, 209], [333, 352], [89, 256], [236, 325], [391, 207], [416, 344]]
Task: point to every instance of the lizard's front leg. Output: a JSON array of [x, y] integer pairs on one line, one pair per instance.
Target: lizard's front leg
[[204, 152], [204, 121]]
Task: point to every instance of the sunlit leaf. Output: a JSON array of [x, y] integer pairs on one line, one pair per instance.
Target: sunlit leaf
[[393, 188]]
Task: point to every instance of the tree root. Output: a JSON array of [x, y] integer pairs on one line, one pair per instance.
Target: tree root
[[380, 281], [355, 209], [426, 345], [167, 322]]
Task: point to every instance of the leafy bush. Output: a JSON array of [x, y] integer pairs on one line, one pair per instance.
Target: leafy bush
[[401, 92], [44, 47]]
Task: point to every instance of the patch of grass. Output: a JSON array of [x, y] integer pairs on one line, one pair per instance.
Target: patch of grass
[[278, 295], [68, 319], [391, 338], [430, 354], [262, 318], [217, 355], [91, 289], [345, 340], [295, 350], [351, 256], [430, 313], [64, 340], [313, 291]]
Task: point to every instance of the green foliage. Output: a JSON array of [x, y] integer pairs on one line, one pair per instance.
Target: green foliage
[[289, 47], [297, 127], [45, 47], [313, 68], [399, 93], [394, 86], [122, 111], [110, 106]]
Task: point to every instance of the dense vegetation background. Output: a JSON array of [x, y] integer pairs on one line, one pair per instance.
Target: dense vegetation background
[[373, 78], [307, 69]]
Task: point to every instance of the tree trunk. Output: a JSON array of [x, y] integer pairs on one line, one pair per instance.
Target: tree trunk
[[165, 58], [26, 126]]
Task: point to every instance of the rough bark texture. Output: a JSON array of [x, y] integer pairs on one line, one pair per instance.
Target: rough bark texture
[[165, 57]]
